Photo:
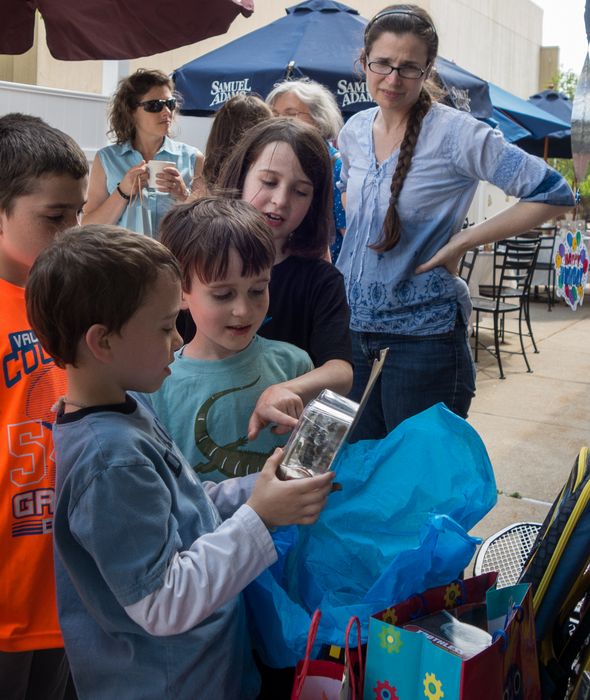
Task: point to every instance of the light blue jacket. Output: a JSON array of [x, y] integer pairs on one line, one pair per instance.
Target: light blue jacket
[[127, 505], [453, 153]]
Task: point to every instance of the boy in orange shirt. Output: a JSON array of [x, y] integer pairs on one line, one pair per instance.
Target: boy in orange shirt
[[43, 180]]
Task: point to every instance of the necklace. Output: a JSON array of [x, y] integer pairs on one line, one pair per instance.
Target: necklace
[[387, 151], [386, 144], [64, 401]]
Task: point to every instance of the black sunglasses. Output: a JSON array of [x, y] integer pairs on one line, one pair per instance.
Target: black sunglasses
[[158, 105]]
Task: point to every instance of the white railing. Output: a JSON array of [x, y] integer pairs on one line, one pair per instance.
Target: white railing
[[83, 115]]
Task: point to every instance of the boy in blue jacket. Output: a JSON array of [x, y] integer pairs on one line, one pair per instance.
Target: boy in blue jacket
[[150, 561]]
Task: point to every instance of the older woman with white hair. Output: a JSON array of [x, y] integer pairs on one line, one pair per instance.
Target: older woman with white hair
[[313, 103]]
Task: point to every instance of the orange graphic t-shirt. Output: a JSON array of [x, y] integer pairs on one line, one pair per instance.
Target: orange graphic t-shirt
[[29, 385]]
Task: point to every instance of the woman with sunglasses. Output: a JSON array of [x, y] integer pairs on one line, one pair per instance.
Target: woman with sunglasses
[[141, 116], [410, 168]]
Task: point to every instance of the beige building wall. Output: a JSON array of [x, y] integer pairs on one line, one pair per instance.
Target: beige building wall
[[85, 76], [487, 37], [499, 40], [38, 67], [21, 68], [549, 67]]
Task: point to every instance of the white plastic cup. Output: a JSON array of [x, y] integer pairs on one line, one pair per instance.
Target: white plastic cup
[[155, 167]]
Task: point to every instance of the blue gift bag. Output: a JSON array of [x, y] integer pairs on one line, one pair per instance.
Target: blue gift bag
[[399, 525]]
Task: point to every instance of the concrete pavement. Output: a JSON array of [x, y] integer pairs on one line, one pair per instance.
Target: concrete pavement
[[533, 425]]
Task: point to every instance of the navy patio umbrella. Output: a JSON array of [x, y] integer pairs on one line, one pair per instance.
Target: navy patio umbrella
[[556, 103], [510, 129], [318, 39], [465, 90], [537, 121], [559, 143]]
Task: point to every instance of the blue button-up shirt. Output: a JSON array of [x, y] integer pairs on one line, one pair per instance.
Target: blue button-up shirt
[[116, 161], [453, 153]]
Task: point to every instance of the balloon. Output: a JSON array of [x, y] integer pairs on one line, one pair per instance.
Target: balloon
[[561, 249], [569, 238], [558, 261]]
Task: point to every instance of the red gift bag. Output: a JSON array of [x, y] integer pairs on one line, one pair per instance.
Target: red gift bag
[[319, 679]]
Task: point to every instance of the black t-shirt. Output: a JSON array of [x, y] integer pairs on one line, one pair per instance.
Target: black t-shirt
[[308, 308]]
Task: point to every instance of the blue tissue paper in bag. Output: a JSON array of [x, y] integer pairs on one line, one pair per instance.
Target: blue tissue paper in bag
[[398, 527]]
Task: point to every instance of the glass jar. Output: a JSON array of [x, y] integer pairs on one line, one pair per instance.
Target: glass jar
[[321, 431]]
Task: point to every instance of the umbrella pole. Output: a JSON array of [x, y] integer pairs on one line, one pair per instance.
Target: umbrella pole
[[546, 148]]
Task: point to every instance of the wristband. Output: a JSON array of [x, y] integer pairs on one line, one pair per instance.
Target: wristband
[[126, 197]]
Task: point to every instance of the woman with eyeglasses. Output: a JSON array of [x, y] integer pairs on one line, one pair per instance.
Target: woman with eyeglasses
[[314, 104], [410, 168], [141, 115]]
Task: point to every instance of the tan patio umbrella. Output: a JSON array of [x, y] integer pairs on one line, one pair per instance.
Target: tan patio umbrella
[[78, 30]]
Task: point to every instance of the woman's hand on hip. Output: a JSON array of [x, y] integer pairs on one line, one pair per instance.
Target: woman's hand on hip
[[448, 256]]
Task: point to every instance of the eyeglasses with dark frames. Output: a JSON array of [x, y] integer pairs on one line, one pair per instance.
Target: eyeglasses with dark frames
[[158, 105], [409, 72]]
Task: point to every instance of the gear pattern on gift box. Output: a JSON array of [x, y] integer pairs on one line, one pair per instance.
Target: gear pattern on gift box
[[452, 594], [389, 615], [390, 639], [384, 691], [433, 687]]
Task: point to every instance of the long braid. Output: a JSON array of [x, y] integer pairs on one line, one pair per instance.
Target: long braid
[[390, 233]]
